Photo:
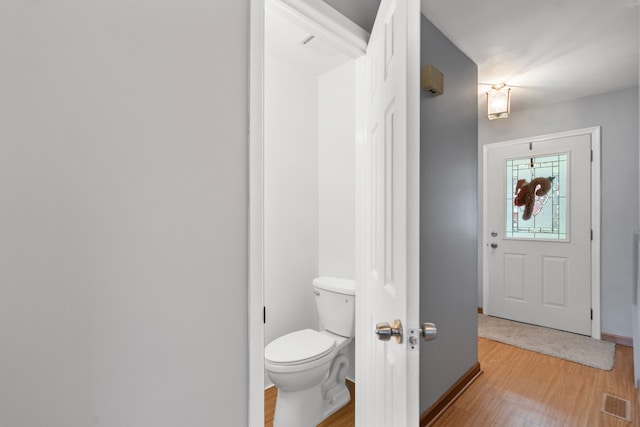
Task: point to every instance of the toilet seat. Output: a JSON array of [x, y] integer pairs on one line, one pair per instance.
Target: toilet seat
[[298, 348]]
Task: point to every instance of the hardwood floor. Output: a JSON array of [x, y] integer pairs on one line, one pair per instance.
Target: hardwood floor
[[344, 417], [523, 388]]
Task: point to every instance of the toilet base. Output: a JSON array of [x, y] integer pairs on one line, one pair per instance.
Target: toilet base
[[300, 408], [340, 397], [303, 408]]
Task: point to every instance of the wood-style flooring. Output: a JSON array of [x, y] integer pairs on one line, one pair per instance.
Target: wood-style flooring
[[522, 388], [344, 417]]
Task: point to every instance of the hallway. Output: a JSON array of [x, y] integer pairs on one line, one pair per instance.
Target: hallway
[[523, 388]]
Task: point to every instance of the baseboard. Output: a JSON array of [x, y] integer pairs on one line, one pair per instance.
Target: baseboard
[[637, 411], [617, 339], [450, 396], [480, 310]]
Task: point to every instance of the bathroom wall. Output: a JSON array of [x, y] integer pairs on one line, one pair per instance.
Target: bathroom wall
[[291, 197], [336, 185], [336, 168], [617, 114], [448, 226], [309, 190]]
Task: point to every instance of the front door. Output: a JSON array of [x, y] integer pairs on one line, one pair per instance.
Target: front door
[[538, 241], [388, 236]]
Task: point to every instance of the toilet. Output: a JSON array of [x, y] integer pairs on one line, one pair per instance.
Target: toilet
[[309, 367]]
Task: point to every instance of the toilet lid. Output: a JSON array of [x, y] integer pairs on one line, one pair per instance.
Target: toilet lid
[[299, 347]]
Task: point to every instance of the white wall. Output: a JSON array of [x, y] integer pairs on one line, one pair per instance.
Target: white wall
[[309, 189], [123, 213], [336, 184], [336, 160], [291, 197], [617, 114]]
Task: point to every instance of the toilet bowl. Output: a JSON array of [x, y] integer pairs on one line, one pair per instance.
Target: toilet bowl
[[299, 365], [309, 367]]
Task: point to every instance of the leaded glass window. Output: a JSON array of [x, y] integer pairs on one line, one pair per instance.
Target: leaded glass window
[[549, 217]]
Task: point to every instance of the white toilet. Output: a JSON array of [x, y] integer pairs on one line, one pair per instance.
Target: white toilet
[[309, 367]]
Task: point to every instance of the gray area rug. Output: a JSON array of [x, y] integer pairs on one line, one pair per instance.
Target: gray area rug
[[564, 345]]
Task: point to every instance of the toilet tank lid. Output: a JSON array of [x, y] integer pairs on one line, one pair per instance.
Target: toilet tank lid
[[336, 284]]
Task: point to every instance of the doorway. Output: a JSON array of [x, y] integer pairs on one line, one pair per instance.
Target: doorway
[[542, 267], [302, 170], [392, 51]]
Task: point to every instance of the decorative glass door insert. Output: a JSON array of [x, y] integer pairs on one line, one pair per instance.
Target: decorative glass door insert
[[548, 212]]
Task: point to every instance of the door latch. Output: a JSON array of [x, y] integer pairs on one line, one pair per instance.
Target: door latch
[[427, 332]]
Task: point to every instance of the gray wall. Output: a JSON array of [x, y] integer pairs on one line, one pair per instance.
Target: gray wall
[[362, 12], [448, 227], [123, 213], [617, 114]]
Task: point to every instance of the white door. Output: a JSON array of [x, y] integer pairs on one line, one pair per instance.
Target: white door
[[540, 264], [388, 235]]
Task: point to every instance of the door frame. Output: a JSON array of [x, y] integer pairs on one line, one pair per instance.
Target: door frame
[[313, 15], [594, 133]]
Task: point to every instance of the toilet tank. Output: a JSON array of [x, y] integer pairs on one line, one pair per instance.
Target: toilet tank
[[336, 303]]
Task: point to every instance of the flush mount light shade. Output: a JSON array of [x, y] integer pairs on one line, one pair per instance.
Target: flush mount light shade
[[498, 102]]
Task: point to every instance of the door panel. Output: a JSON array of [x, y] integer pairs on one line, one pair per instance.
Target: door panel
[[387, 372], [514, 274], [555, 285], [540, 267]]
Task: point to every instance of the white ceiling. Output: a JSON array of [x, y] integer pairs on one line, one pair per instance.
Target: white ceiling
[[548, 51]]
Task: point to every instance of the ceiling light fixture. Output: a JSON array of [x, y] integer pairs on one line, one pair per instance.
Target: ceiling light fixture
[[498, 102]]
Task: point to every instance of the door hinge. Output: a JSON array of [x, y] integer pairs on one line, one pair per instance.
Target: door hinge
[[592, 314], [591, 234], [264, 314], [592, 155]]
